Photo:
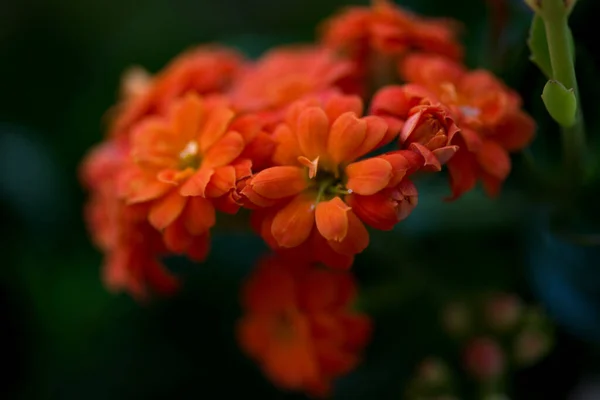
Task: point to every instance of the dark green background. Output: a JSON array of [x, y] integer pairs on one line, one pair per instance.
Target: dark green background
[[63, 336]]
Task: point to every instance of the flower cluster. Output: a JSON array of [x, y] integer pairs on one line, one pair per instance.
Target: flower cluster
[[288, 138]]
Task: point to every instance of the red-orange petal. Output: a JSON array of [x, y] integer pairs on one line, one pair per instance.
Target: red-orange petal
[[313, 132], [176, 237], [222, 181], [494, 159], [224, 151], [215, 127], [368, 176], [463, 170], [293, 223], [187, 116], [332, 219], [166, 209], [356, 240], [199, 215], [345, 137], [196, 184], [339, 104], [279, 182], [376, 135]]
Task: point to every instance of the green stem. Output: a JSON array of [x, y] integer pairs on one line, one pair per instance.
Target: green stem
[[558, 34]]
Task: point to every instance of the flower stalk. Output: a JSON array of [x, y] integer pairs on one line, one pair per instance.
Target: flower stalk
[[555, 14]]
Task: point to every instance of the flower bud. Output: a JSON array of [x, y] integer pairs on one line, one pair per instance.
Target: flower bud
[[433, 371], [502, 312], [530, 346], [456, 319], [484, 359]]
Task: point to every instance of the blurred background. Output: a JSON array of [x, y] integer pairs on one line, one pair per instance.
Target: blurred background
[[63, 336]]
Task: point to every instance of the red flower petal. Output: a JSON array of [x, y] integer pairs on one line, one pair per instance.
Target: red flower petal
[[165, 210], [368, 176], [279, 182], [196, 184], [293, 223], [199, 215], [346, 136], [332, 220], [313, 132], [224, 151]]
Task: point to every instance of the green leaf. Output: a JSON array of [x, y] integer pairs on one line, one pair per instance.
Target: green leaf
[[538, 45], [560, 102]]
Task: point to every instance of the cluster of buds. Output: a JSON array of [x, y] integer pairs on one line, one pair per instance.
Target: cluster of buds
[[288, 138], [496, 334]]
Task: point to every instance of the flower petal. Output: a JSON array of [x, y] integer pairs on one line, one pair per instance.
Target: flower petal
[[222, 181], [224, 151], [293, 223], [345, 138], [368, 176], [187, 117], [463, 170], [313, 132], [165, 210], [196, 184], [199, 215], [215, 127], [377, 135], [332, 220], [279, 182], [356, 240], [494, 159], [176, 237]]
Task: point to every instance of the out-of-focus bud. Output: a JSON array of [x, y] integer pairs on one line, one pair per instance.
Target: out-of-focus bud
[[456, 318], [503, 311], [135, 82], [530, 346], [534, 5], [433, 371], [484, 359], [560, 102]]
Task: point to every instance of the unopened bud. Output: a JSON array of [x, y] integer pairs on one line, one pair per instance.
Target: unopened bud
[[484, 359], [503, 311], [530, 346], [433, 371], [560, 102], [456, 319]]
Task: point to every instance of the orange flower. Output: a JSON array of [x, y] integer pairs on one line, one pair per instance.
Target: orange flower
[[489, 116], [179, 164], [287, 74], [315, 171], [130, 245], [426, 125], [375, 37], [298, 324], [389, 29], [205, 70]]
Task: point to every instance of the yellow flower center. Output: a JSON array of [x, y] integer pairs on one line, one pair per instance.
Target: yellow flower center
[[189, 157]]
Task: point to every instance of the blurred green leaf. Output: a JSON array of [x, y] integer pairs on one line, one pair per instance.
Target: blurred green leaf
[[538, 45]]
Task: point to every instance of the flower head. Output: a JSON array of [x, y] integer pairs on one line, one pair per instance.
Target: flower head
[[488, 114], [205, 70], [179, 164], [426, 125], [285, 75], [298, 324], [389, 29], [131, 247], [316, 174]]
